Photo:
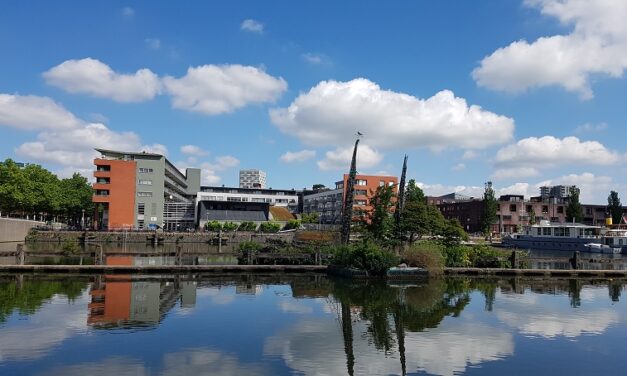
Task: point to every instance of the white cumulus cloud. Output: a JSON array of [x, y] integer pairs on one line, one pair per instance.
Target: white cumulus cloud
[[217, 89], [194, 150], [252, 26], [30, 112], [340, 158], [298, 156], [93, 77], [597, 45], [527, 156], [332, 112]]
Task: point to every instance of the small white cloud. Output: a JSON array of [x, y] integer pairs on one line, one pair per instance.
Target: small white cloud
[[194, 150], [470, 154], [218, 89], [458, 167], [90, 76], [153, 43], [128, 11], [591, 128], [252, 26], [298, 156], [155, 148], [315, 59], [340, 158]]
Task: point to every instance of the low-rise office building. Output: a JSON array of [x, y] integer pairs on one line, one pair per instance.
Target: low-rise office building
[[139, 190], [242, 204]]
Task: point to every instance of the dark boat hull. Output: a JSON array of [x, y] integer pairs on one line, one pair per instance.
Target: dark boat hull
[[549, 244]]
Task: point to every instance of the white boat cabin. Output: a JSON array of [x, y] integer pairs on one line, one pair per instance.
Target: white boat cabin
[[561, 230]]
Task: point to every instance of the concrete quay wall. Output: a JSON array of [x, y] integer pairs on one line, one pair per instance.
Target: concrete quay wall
[[161, 237], [15, 230]]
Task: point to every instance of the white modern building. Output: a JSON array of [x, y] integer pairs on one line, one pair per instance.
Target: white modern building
[[252, 178]]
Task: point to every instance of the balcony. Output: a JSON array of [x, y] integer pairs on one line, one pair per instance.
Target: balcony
[[102, 174], [101, 186]]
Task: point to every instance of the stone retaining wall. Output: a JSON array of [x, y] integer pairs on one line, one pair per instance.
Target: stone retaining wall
[[148, 237]]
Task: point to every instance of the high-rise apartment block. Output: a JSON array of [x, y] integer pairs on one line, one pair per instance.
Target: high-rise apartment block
[[252, 178]]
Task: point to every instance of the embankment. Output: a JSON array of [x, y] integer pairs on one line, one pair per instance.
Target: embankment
[[15, 230], [151, 237]]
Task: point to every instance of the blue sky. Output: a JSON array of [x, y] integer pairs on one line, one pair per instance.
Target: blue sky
[[520, 92]]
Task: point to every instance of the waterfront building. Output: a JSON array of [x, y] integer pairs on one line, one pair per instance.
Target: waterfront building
[[329, 204], [245, 204], [139, 190], [252, 178]]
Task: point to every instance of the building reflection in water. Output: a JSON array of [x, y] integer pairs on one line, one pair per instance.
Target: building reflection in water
[[125, 300]]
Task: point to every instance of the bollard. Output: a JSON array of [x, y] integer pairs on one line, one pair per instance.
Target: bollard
[[20, 256], [220, 241], [179, 255], [574, 261], [514, 260]]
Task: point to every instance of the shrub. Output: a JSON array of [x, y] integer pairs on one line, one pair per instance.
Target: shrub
[[292, 224], [229, 226], [247, 226], [213, 226], [249, 246], [310, 218], [269, 227], [430, 258], [366, 255]]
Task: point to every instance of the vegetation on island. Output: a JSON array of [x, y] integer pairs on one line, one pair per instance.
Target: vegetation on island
[[32, 190]]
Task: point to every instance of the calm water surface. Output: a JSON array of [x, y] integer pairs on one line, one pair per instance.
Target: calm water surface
[[308, 325]]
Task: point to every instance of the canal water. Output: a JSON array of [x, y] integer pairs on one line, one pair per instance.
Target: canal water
[[309, 325]]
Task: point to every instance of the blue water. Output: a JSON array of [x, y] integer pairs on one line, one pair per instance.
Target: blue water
[[308, 325]]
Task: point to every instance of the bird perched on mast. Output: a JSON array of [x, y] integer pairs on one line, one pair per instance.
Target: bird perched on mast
[[359, 134]]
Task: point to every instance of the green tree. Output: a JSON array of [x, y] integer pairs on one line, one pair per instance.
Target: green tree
[[614, 207], [380, 222], [316, 187], [413, 193], [574, 211], [452, 233], [76, 197], [488, 214], [532, 217], [14, 188]]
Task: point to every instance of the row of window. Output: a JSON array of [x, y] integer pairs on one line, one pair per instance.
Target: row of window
[[145, 170]]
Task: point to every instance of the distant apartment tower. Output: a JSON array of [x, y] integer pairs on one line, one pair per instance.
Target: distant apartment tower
[[138, 190], [252, 178], [557, 191]]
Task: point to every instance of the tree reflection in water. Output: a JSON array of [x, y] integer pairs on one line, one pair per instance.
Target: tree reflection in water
[[390, 310]]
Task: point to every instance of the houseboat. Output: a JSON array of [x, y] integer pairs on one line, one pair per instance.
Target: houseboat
[[552, 236], [613, 241]]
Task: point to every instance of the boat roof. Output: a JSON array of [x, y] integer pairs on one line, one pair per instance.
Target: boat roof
[[563, 224]]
